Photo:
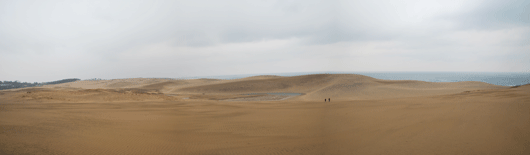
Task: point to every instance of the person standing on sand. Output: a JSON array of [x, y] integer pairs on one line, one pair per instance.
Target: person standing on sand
[[329, 99], [324, 100]]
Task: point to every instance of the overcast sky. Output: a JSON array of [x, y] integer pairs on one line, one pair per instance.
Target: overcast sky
[[45, 40]]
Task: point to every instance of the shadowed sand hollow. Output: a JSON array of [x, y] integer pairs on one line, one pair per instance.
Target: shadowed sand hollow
[[208, 116]]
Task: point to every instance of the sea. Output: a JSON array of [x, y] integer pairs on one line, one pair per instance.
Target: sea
[[496, 78]]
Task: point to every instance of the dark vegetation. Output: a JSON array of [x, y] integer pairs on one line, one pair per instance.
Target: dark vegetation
[[17, 84], [63, 81]]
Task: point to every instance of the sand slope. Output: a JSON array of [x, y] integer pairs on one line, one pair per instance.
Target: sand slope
[[419, 118], [315, 87], [339, 87]]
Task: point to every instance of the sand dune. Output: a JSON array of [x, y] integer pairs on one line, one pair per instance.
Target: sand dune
[[88, 95], [366, 116], [339, 87], [315, 87]]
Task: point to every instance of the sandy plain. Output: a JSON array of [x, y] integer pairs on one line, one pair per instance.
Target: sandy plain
[[207, 116]]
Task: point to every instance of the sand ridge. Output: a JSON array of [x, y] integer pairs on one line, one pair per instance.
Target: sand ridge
[[339, 87], [315, 87]]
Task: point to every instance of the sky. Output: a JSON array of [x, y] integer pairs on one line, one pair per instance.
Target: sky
[[47, 40]]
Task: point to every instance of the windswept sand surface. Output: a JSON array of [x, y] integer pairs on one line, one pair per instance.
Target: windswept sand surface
[[204, 116]]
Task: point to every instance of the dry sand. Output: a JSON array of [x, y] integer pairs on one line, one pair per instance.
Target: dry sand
[[205, 116]]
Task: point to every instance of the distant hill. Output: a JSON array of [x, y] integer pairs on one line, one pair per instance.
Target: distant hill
[[335, 86], [17, 84], [63, 81]]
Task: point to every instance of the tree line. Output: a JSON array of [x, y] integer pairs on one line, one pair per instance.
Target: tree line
[[17, 84]]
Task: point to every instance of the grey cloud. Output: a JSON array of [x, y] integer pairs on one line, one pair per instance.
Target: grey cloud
[[204, 23], [495, 15], [100, 31]]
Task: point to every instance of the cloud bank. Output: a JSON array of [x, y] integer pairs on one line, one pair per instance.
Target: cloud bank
[[50, 40]]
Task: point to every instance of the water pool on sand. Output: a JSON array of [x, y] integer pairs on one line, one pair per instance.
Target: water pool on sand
[[280, 94], [266, 97]]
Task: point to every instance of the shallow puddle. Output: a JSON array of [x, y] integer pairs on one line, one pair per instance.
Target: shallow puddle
[[280, 94]]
